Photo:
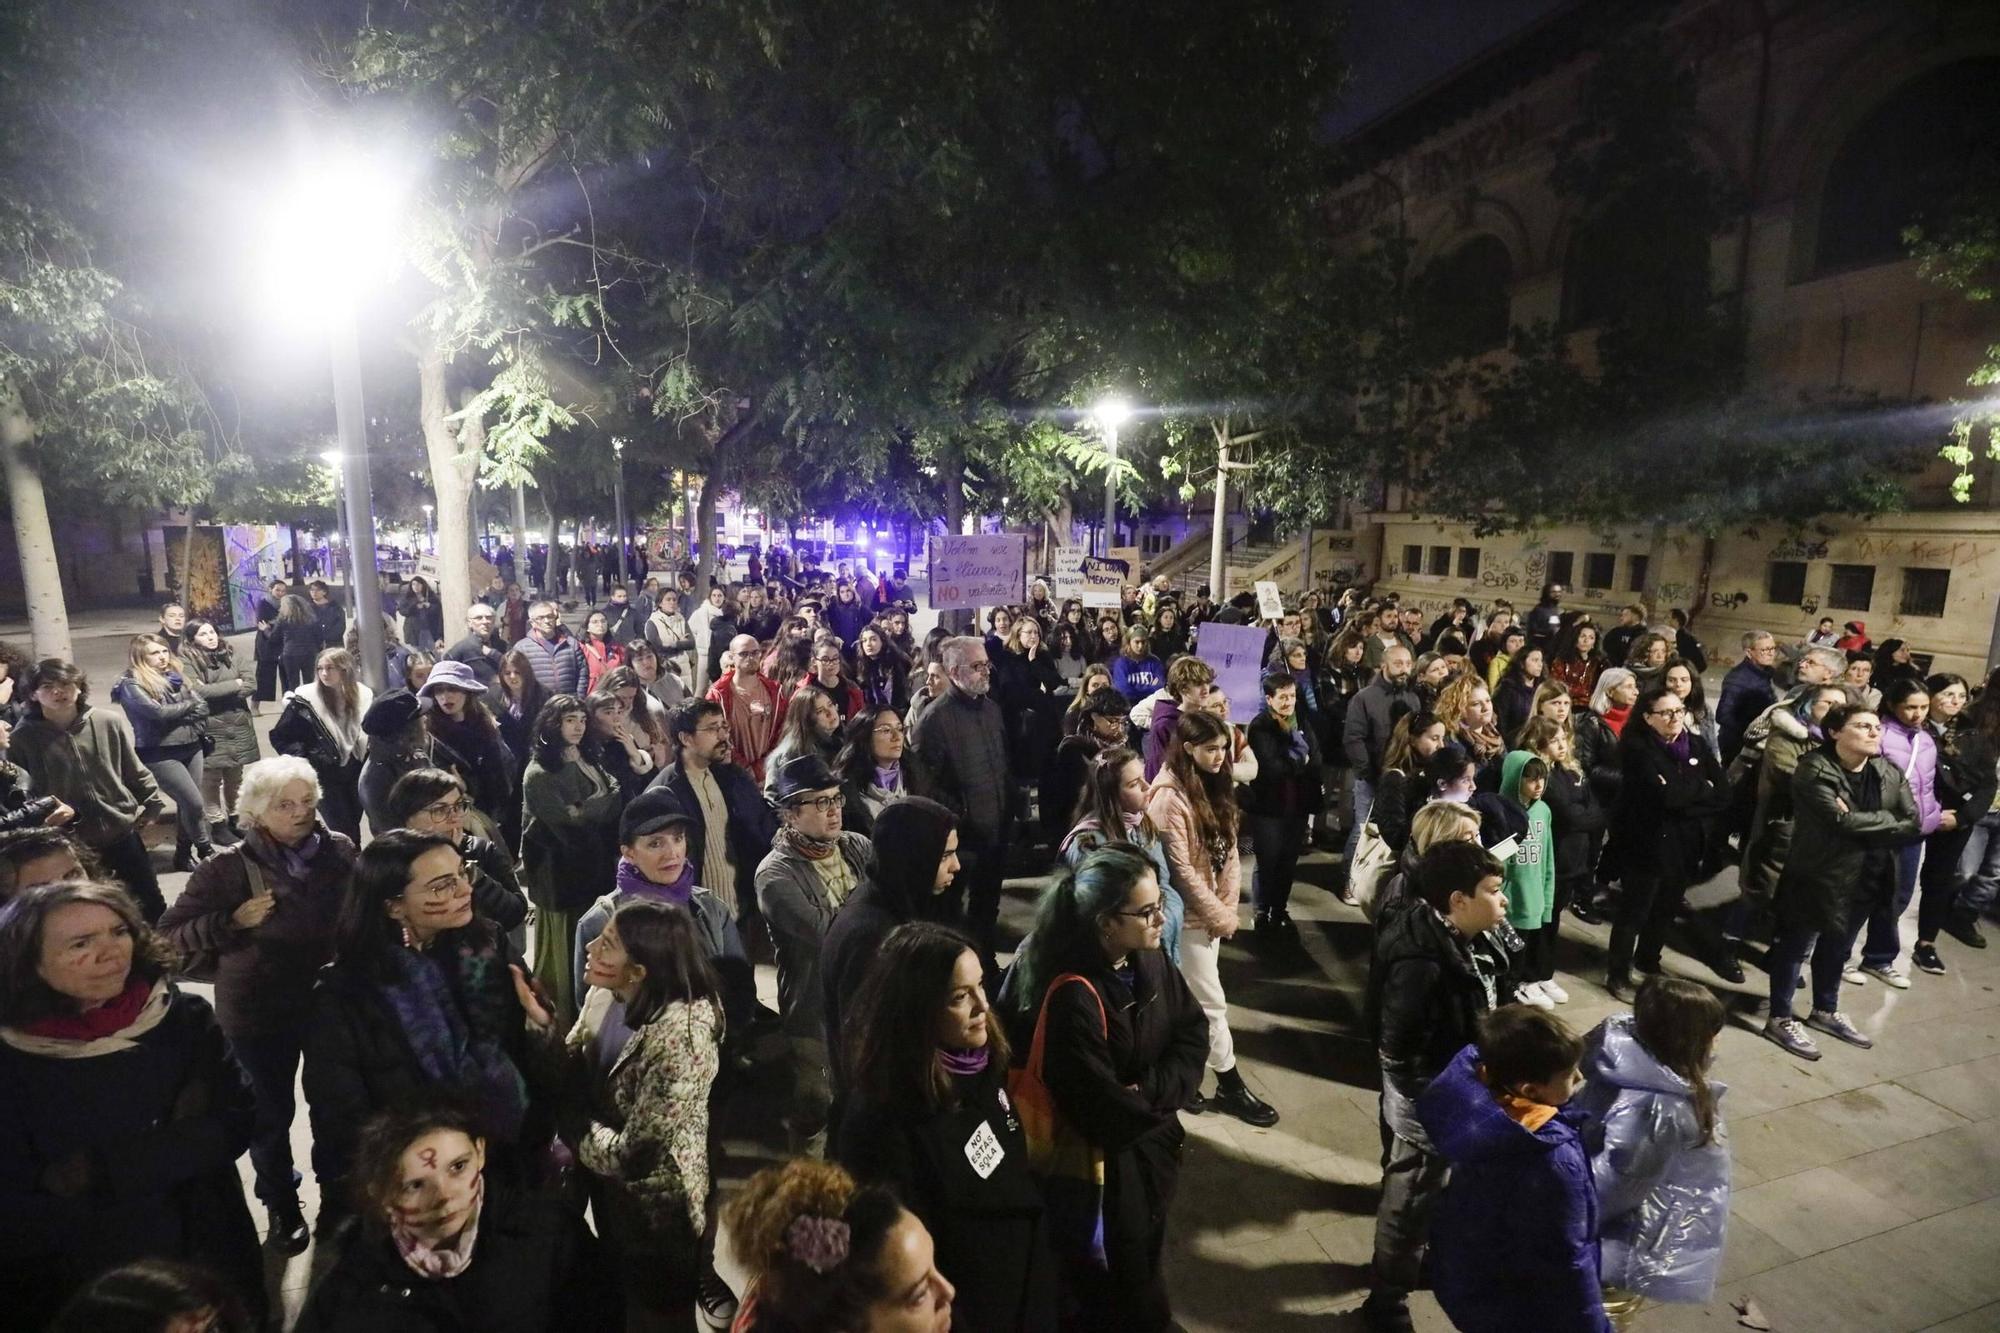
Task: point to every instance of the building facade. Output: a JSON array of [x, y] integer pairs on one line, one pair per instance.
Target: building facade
[[1834, 122]]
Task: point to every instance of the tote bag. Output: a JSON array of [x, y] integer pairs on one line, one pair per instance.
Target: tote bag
[[1069, 1167]]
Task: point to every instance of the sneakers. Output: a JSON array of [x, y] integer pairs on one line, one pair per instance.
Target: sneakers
[[1837, 1024], [1791, 1034], [1555, 992], [716, 1301], [1531, 992], [1854, 976], [1233, 1097], [1964, 927], [1925, 956], [1889, 974]]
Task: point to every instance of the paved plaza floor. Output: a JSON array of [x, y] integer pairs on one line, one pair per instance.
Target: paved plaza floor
[[1866, 1190]]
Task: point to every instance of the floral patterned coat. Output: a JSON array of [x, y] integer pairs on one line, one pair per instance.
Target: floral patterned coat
[[658, 1086]]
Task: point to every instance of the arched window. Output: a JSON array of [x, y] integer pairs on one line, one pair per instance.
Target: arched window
[[1468, 298], [1904, 162]]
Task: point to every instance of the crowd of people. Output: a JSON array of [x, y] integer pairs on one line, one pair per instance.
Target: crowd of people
[[514, 1005]]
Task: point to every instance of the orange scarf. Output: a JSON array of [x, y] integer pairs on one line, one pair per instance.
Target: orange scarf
[[1529, 1115]]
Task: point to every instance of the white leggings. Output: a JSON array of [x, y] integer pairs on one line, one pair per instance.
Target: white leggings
[[1201, 958]]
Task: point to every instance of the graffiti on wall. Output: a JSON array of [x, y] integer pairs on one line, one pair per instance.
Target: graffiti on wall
[[1728, 601], [1794, 548]]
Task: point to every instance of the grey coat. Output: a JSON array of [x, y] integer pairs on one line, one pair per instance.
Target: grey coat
[[217, 678], [1371, 716], [793, 899], [1822, 880], [963, 740]]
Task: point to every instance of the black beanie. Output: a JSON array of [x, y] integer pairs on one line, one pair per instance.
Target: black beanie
[[909, 838]]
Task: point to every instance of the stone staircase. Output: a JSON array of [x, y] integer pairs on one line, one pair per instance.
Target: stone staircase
[[1240, 562]]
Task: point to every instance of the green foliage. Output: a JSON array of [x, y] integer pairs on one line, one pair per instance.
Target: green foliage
[[1961, 250]]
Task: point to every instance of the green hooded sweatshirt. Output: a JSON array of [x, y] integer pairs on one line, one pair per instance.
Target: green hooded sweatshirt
[[1531, 872]]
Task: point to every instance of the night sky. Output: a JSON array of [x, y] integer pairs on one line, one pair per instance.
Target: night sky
[[1395, 47]]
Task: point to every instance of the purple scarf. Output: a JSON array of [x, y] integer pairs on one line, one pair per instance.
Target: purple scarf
[[632, 884], [890, 778], [298, 860], [1682, 746], [963, 1063]]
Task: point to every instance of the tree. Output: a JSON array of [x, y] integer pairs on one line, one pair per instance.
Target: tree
[[1960, 249]]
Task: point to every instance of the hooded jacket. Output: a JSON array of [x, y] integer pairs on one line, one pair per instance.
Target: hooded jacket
[[1531, 870], [1161, 720], [1662, 1194], [1783, 742], [1914, 752], [1211, 892], [1514, 1238], [93, 767]]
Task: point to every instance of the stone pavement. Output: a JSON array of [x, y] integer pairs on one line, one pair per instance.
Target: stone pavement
[[1867, 1185]]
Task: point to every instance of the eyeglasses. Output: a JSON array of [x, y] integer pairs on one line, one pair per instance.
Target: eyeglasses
[[447, 809], [978, 667], [1668, 712], [893, 729], [442, 890], [1157, 912], [823, 804], [712, 729]]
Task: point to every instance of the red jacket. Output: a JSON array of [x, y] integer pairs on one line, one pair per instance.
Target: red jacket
[[599, 658], [724, 692]]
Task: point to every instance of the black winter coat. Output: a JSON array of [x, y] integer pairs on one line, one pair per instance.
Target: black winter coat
[[1822, 882], [163, 1121], [1577, 821], [358, 1060], [1285, 787], [535, 1269], [1669, 818], [992, 1243], [1120, 1075], [1424, 998]]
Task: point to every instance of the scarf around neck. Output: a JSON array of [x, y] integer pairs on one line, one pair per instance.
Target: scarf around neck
[[632, 884], [451, 1012], [813, 849], [447, 1258], [963, 1063], [115, 1026], [890, 778]]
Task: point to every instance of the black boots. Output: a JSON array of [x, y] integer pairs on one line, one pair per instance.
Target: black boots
[[288, 1233], [1233, 1096], [187, 857], [1963, 926]]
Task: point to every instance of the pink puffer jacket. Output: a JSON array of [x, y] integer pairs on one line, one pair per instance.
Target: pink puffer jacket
[[1211, 897]]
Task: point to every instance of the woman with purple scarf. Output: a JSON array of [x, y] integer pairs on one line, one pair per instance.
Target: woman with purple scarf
[[928, 1114], [659, 847], [258, 920]]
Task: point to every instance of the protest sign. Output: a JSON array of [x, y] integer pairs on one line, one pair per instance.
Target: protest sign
[[1237, 654], [967, 573], [1270, 602], [1090, 579]]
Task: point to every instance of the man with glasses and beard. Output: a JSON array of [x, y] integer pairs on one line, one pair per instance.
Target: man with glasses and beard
[[963, 739]]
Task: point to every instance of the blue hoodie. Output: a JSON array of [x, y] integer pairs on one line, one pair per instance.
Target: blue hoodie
[[1514, 1239]]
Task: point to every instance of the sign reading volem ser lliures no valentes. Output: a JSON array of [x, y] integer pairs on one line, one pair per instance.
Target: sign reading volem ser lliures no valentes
[[967, 573]]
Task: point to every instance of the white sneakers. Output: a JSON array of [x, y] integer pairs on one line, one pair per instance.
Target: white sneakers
[[1541, 994]]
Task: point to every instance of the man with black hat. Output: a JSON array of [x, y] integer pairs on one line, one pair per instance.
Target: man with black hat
[[735, 823], [812, 869]]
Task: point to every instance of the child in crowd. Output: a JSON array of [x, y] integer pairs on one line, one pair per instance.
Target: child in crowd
[[1658, 1152], [1531, 879], [1514, 1240]]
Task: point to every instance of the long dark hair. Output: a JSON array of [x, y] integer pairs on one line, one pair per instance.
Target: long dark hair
[[892, 1045], [1211, 796], [1100, 798], [1697, 699], [1065, 931], [547, 736], [1677, 1022], [856, 761], [661, 938], [533, 694], [365, 934], [221, 655]]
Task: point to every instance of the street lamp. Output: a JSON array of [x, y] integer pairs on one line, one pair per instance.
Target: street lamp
[[331, 457], [618, 502], [1110, 414], [329, 238], [430, 529]]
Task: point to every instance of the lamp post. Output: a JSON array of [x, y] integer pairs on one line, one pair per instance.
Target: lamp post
[[1110, 414], [618, 503], [430, 528], [331, 458], [335, 234]]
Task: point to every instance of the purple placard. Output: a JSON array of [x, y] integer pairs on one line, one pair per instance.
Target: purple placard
[[1237, 654]]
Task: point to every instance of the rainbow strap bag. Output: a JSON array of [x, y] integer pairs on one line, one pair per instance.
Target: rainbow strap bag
[[1069, 1166]]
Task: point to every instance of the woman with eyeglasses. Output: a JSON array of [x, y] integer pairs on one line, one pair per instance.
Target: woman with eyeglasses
[[258, 920], [877, 765], [1669, 828], [434, 801], [1110, 1029], [827, 669], [423, 997]]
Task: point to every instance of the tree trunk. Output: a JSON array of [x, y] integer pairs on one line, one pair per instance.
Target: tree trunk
[[187, 567], [34, 538], [704, 517], [453, 454], [951, 474]]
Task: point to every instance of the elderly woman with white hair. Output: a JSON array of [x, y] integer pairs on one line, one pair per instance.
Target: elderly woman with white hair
[[258, 919]]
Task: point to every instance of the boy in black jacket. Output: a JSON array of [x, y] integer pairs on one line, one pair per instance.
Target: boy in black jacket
[[1435, 974]]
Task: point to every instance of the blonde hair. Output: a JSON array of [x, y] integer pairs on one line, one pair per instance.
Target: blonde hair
[[152, 682], [1455, 698], [343, 701], [1440, 821]]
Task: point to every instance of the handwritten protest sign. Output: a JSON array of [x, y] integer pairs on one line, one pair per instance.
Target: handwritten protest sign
[[1237, 654], [1090, 579], [1270, 602], [967, 573]]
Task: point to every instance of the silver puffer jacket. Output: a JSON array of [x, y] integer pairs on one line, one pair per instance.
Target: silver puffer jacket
[[1663, 1196]]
